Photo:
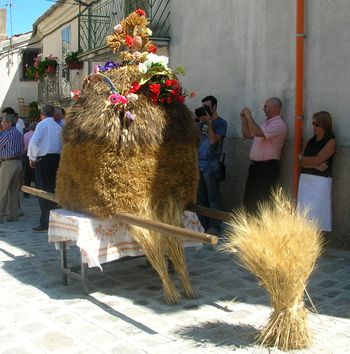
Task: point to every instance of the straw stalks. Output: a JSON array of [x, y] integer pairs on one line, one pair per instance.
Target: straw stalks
[[158, 248], [171, 213], [280, 247]]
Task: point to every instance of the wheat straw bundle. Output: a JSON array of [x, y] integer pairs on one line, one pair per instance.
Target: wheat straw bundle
[[280, 247], [130, 145], [158, 247]]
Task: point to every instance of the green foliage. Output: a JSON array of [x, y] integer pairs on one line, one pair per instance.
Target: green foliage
[[34, 111], [31, 73], [72, 57]]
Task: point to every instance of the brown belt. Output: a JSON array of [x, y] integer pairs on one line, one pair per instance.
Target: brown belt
[[10, 159]]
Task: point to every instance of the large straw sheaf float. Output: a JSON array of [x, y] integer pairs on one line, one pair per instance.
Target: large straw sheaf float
[[130, 145], [280, 247]]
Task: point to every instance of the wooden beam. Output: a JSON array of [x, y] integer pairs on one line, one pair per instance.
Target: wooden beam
[[40, 193], [210, 213], [157, 226]]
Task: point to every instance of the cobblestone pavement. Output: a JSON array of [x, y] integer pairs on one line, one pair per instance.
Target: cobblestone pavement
[[125, 311]]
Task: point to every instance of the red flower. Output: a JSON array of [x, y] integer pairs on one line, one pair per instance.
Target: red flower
[[175, 83], [167, 82], [154, 88], [181, 98], [154, 98], [135, 86], [129, 40], [140, 12], [152, 48]]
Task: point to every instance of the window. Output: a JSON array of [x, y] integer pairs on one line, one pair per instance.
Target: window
[[28, 58]]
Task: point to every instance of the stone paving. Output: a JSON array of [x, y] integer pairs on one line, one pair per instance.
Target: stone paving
[[125, 311]]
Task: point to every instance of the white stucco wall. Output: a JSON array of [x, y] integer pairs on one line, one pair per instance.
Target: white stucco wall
[[12, 87], [243, 51]]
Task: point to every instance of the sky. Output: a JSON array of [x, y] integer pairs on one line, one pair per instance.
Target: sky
[[24, 14]]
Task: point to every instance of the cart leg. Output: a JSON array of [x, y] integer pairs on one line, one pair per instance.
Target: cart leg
[[63, 256], [84, 277]]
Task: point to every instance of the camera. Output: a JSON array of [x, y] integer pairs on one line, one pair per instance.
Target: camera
[[202, 111]]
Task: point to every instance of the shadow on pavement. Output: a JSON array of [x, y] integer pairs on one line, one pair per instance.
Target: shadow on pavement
[[221, 334], [218, 280]]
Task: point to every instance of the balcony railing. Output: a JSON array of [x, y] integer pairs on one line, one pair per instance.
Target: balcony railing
[[98, 20]]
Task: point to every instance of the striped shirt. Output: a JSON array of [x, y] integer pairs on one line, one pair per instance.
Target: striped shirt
[[11, 144]]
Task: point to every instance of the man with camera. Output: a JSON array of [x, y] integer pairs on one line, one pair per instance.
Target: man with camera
[[213, 131], [268, 140]]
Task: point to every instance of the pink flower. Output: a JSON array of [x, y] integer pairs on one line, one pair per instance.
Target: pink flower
[[96, 69], [129, 115], [115, 98], [137, 43], [136, 56], [75, 94], [118, 28]]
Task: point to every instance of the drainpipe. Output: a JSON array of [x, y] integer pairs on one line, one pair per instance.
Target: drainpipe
[[299, 90]]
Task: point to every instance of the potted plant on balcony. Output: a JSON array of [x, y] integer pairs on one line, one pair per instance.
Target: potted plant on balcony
[[31, 73], [72, 62], [49, 64]]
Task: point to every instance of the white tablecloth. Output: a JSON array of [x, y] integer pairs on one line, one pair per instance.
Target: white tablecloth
[[103, 240]]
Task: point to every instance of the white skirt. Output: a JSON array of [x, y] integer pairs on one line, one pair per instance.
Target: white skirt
[[315, 194]]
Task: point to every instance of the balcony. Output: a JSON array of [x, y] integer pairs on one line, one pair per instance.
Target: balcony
[[98, 20]]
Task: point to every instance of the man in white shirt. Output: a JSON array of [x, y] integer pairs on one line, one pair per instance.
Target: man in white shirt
[[20, 125], [44, 151]]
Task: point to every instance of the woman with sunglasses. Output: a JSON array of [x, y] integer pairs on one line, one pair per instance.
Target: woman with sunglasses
[[316, 160]]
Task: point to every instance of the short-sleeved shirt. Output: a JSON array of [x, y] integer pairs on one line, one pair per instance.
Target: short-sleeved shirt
[[209, 154], [269, 147]]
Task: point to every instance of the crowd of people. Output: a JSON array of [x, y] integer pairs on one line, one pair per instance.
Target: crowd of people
[[268, 138], [27, 155], [34, 154]]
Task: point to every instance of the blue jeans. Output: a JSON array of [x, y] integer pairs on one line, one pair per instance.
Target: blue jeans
[[208, 195]]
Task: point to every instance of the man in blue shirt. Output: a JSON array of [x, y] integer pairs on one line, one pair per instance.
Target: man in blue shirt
[[213, 131], [11, 150]]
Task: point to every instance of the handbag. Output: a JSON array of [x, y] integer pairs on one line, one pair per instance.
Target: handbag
[[222, 169]]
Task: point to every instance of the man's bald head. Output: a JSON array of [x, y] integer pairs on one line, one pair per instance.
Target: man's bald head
[[273, 107]]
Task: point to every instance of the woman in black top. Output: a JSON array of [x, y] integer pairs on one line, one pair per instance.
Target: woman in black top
[[316, 161]]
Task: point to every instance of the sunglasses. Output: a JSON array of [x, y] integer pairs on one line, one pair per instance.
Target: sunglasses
[[315, 124]]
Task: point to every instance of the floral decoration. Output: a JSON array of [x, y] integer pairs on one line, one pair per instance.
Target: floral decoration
[[75, 94], [161, 82], [110, 64], [156, 80], [132, 34]]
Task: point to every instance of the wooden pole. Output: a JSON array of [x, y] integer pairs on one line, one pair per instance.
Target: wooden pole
[[157, 226], [210, 213], [40, 193]]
